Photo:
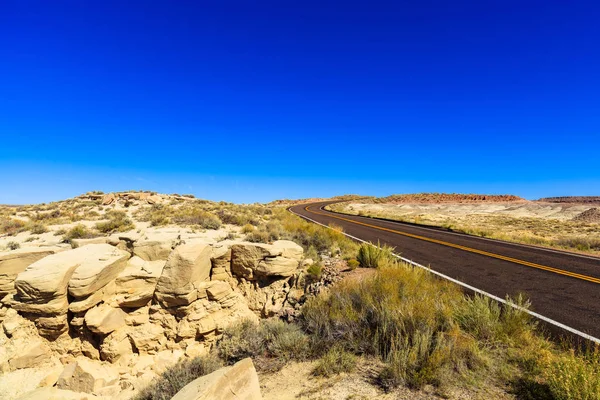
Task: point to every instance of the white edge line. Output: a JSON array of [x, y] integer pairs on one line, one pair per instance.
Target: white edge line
[[474, 289]]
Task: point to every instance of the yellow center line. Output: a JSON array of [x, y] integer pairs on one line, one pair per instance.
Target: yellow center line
[[469, 249]]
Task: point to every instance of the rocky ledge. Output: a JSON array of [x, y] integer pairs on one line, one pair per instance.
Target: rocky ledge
[[104, 319]]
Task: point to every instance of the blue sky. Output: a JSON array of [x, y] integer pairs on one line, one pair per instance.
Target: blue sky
[[253, 101]]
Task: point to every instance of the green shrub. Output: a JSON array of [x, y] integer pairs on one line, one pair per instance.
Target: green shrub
[[353, 264], [248, 228], [117, 222], [13, 245], [79, 231], [402, 315], [258, 237], [177, 376], [572, 376], [11, 226], [371, 256], [198, 217], [38, 229], [271, 343], [335, 361], [315, 271]]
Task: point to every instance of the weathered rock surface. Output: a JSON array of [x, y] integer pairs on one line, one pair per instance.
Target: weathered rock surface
[[86, 376], [97, 269], [256, 261], [137, 282], [104, 319], [42, 287], [14, 262], [237, 382], [156, 245], [187, 264]]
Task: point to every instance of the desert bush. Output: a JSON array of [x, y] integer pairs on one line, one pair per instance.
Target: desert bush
[[258, 236], [372, 256], [353, 263], [38, 228], [176, 377], [335, 361], [13, 245], [579, 243], [11, 226], [402, 315], [571, 376], [197, 217], [315, 271], [79, 231], [271, 343], [117, 222], [247, 228]]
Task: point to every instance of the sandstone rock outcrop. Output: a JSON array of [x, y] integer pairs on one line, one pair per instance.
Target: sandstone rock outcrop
[[114, 315], [239, 381], [14, 262]]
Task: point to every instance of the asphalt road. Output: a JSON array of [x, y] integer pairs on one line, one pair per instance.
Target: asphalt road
[[562, 286]]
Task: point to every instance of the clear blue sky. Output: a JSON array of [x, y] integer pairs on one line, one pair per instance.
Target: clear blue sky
[[255, 100]]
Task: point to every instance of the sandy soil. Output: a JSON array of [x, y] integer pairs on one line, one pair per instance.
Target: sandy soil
[[295, 381]]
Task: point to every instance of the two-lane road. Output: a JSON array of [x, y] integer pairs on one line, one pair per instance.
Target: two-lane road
[[562, 286]]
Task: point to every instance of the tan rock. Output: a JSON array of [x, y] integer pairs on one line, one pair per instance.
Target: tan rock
[[104, 294], [116, 345], [156, 245], [31, 353], [138, 316], [101, 266], [245, 259], [137, 282], [42, 287], [154, 199], [52, 327], [104, 319], [218, 290], [147, 338], [86, 376], [277, 266], [166, 359], [187, 264], [237, 382], [52, 393], [14, 262]]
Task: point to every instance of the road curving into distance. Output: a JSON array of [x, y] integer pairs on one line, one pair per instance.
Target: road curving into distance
[[562, 286]]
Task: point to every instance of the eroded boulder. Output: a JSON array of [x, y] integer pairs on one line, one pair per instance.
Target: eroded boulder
[[239, 381]]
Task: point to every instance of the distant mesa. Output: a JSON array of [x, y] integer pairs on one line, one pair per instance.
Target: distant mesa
[[449, 198], [571, 199]]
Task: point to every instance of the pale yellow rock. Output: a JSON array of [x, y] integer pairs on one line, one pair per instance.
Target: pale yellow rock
[[51, 393], [238, 382], [83, 304], [104, 319], [14, 262], [218, 290], [136, 284], [31, 353], [116, 345], [166, 359], [187, 264], [86, 376], [97, 269], [156, 245], [147, 338]]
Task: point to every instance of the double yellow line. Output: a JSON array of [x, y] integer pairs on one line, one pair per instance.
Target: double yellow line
[[469, 249]]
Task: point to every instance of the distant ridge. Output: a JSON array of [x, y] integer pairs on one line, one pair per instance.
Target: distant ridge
[[571, 199], [449, 198]]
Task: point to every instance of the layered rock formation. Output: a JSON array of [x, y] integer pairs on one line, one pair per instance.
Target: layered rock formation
[[106, 318]]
